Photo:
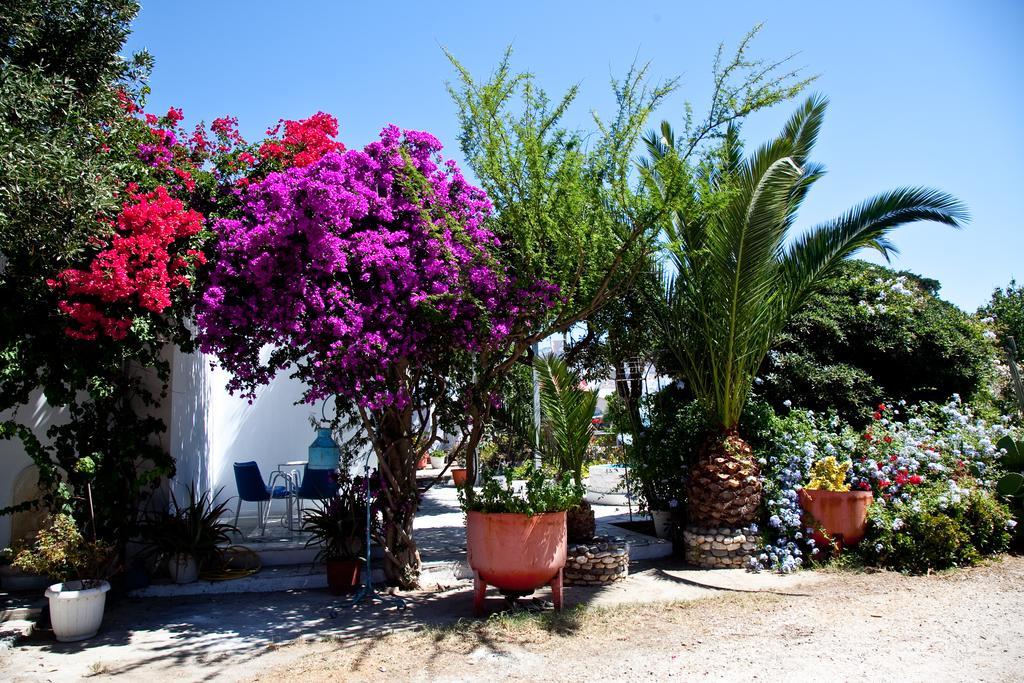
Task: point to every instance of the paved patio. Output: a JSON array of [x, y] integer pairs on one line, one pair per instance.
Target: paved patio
[[440, 535], [221, 637]]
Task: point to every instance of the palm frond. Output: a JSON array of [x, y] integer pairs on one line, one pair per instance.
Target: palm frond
[[733, 277], [568, 413], [815, 254]]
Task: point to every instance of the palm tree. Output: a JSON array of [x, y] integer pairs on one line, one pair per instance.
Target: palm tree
[[568, 412], [738, 275]]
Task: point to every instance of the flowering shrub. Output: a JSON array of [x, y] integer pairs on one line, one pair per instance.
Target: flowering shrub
[[356, 267], [945, 524], [143, 263], [304, 142], [903, 457], [828, 474]]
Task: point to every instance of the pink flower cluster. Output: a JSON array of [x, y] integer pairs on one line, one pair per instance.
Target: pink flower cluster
[[138, 268], [304, 141], [356, 266]]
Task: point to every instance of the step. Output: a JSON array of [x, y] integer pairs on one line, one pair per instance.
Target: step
[[296, 577]]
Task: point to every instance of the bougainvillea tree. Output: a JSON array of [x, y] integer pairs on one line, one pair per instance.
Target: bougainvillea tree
[[372, 276]]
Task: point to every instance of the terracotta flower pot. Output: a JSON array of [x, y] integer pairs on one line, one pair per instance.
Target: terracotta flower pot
[[459, 476], [841, 514], [342, 575], [516, 553], [423, 462]]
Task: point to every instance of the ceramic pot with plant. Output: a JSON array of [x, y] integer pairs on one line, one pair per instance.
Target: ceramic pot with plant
[[516, 538], [837, 514], [80, 566], [189, 537], [338, 526], [438, 459]]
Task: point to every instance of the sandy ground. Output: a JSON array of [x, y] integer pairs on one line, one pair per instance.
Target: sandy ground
[[662, 623], [958, 626]]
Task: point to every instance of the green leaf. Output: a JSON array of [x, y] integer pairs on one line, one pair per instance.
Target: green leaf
[[1014, 458], [1011, 484]]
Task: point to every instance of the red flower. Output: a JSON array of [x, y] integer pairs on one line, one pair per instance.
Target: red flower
[[304, 141], [882, 483], [881, 407], [887, 439], [867, 436], [876, 415], [137, 269], [915, 479], [174, 116]]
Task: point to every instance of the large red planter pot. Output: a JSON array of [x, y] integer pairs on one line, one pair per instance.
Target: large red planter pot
[[516, 553], [843, 515], [342, 575], [422, 463]]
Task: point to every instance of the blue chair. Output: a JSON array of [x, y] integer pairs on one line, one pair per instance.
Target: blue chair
[[316, 485], [251, 489]]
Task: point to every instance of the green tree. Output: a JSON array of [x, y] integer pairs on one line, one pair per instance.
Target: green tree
[[737, 278], [572, 207], [869, 335], [66, 151]]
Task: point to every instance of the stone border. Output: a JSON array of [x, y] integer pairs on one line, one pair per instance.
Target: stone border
[[719, 548], [603, 560]]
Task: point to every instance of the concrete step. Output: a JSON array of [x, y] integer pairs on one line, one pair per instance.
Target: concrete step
[[296, 577]]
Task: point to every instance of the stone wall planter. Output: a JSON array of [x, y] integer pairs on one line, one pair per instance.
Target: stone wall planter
[[719, 547], [600, 561]]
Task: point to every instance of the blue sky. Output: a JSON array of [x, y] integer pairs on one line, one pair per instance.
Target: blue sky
[[923, 93]]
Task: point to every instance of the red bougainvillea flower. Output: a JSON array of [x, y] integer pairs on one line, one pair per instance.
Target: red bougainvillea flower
[[304, 141], [138, 269]]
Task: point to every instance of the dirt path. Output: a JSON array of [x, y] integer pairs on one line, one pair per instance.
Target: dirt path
[[963, 625]]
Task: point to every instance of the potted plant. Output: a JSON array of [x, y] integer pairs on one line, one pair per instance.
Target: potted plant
[[837, 514], [80, 566], [438, 459], [188, 537], [338, 526], [516, 539], [458, 470]]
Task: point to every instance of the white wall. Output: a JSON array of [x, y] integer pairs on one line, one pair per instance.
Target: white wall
[[207, 430], [13, 459], [210, 429]]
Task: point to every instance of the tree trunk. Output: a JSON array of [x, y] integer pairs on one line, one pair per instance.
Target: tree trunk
[[399, 499]]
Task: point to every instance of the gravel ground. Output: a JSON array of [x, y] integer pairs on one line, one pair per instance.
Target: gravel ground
[[663, 622], [953, 626]]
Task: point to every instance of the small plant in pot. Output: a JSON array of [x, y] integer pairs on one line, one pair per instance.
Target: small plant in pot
[[458, 470], [338, 526], [80, 566], [189, 537], [516, 538], [438, 459], [837, 514]]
